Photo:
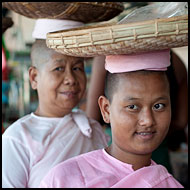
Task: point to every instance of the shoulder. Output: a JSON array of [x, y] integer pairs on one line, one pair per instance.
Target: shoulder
[[158, 176], [15, 128], [76, 161], [23, 131], [73, 168], [15, 139]]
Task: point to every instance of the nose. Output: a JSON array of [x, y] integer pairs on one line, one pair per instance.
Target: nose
[[69, 78], [146, 118]]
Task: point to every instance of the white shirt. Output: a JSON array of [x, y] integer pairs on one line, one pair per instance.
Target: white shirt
[[33, 145]]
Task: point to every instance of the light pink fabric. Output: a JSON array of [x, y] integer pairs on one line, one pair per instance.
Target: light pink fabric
[[33, 145], [44, 26], [82, 122], [157, 60], [97, 169], [3, 60]]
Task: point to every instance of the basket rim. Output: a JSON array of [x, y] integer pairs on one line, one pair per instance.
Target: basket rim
[[34, 11], [107, 25], [100, 4], [67, 41]]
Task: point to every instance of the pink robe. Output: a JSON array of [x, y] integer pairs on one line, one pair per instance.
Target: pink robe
[[97, 169]]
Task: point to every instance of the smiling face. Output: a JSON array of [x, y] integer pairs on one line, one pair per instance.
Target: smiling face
[[60, 83], [139, 112]]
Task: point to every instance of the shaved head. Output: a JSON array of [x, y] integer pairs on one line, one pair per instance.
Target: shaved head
[[40, 53], [112, 80]]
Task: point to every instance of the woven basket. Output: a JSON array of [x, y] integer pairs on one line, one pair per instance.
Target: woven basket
[[79, 11], [129, 38]]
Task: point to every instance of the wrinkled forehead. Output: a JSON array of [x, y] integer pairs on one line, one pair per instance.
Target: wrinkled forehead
[[61, 57], [41, 55]]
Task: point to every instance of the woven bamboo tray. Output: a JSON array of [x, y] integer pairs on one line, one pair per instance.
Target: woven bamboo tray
[[79, 11], [129, 38]]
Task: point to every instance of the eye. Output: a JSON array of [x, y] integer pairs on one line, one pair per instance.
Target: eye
[[59, 69], [132, 107], [78, 68], [159, 106]]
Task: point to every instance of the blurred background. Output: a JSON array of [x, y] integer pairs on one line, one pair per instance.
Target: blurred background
[[18, 99]]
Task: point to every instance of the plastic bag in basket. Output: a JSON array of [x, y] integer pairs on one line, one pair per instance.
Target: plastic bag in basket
[[155, 11]]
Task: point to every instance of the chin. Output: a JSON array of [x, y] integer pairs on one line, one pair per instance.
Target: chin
[[141, 152], [145, 151], [69, 108]]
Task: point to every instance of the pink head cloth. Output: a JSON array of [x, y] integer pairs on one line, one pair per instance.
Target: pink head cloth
[[157, 60], [44, 26]]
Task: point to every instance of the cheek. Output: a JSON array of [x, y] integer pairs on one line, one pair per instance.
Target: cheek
[[122, 135], [49, 88], [164, 122], [122, 119], [122, 125], [47, 80], [82, 83]]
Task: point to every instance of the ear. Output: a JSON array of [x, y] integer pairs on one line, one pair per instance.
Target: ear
[[104, 105], [33, 77]]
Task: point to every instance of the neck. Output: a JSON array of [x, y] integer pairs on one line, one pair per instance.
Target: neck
[[136, 160], [53, 113]]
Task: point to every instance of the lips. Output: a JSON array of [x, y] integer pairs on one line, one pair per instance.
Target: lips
[[145, 135], [70, 94]]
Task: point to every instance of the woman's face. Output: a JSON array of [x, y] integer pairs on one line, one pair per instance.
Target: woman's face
[[139, 113], [61, 83]]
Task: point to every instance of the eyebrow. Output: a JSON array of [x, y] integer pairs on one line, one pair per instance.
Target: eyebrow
[[59, 60], [79, 61], [162, 98], [136, 98], [63, 60]]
